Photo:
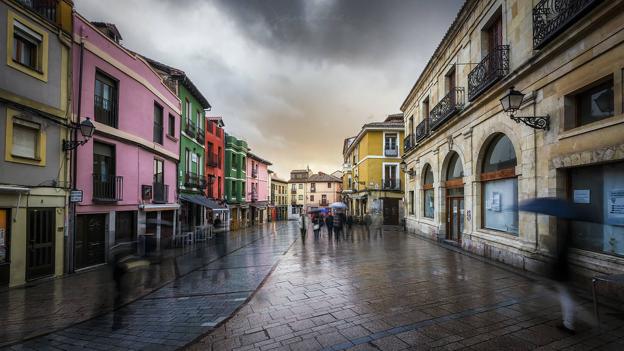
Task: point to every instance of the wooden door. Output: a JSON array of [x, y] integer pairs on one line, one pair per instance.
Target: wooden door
[[390, 211], [40, 245], [90, 240]]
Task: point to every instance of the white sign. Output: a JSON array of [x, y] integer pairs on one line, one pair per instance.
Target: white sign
[[75, 196], [581, 196], [496, 201], [615, 203]]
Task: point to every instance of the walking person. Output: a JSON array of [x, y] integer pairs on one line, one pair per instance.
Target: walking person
[[338, 223], [329, 222], [316, 223]]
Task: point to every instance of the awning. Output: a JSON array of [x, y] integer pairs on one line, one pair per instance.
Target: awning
[[201, 200], [358, 196], [162, 207], [260, 204]]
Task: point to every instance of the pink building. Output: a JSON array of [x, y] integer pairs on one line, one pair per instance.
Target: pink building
[[257, 188], [127, 171]]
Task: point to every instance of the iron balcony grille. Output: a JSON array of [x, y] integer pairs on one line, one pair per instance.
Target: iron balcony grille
[[107, 188], [391, 151], [161, 193], [254, 196], [408, 143], [254, 173], [492, 68], [190, 128], [201, 136], [191, 180], [391, 184], [105, 111], [45, 8], [421, 131], [552, 17], [450, 104], [293, 191]]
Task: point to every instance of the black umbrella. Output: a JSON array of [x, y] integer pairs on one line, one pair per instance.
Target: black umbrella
[[552, 206]]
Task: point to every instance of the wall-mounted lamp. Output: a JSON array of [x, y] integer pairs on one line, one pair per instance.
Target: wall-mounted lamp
[[404, 169], [511, 103], [86, 130]]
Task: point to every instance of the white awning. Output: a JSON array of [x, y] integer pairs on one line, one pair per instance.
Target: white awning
[[159, 207]]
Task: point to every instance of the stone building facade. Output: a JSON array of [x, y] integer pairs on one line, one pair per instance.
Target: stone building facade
[[469, 164]]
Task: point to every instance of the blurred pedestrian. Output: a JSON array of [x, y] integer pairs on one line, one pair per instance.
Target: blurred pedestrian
[[338, 223], [329, 222], [316, 224]]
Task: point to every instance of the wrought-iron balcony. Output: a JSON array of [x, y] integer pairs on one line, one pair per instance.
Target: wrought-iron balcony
[[161, 193], [107, 188], [491, 69], [391, 184], [552, 17], [45, 8], [191, 180], [312, 189], [190, 129], [201, 136], [105, 111], [254, 173], [408, 143], [323, 203], [254, 196], [213, 160], [450, 104], [293, 191], [391, 151], [421, 131]]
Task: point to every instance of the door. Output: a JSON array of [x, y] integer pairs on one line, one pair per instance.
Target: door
[[391, 211], [40, 245], [5, 247], [455, 218], [90, 240]]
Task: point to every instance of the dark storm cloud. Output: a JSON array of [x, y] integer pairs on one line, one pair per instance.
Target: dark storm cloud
[[347, 31]]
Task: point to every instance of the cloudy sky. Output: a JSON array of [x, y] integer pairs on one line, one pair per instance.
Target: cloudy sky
[[292, 77]]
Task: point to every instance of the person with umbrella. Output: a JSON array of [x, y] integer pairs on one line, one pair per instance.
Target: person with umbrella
[[329, 222]]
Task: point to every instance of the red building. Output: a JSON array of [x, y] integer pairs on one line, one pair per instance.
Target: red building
[[215, 155]]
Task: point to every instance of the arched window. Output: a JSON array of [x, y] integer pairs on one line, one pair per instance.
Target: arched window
[[428, 192], [455, 169], [500, 186]]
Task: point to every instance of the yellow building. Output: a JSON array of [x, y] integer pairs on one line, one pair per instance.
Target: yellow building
[[297, 190], [373, 181]]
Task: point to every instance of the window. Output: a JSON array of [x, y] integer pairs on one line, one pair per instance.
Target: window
[[26, 143], [200, 125], [125, 226], [159, 171], [158, 123], [312, 198], [390, 145], [218, 132], [105, 100], [28, 47], [219, 187], [428, 198], [328, 185], [591, 104], [324, 198], [300, 186], [300, 197], [455, 169], [187, 110], [294, 187], [425, 112], [390, 177], [312, 187], [293, 198], [104, 179], [219, 157], [209, 128], [500, 186], [598, 193], [411, 202], [187, 160], [171, 126]]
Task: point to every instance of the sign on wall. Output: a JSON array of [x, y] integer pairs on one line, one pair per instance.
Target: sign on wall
[[75, 196], [582, 196]]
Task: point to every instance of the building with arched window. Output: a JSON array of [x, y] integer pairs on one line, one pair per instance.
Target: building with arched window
[[470, 163]]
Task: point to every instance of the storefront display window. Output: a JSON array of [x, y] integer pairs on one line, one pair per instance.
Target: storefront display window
[[598, 191], [428, 197]]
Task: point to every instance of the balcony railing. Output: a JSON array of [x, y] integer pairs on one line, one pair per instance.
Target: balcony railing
[[203, 183], [191, 180], [105, 111], [552, 17], [421, 131], [107, 188], [254, 173], [293, 191], [323, 203], [408, 143], [190, 128], [450, 104], [201, 136], [212, 161], [254, 196], [391, 184], [492, 68], [392, 152], [161, 193], [45, 8]]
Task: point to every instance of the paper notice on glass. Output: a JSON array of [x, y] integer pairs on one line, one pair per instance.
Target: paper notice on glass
[[496, 201], [615, 206], [581, 196], [2, 240]]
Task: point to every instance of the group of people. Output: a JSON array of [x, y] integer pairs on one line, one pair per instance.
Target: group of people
[[335, 222]]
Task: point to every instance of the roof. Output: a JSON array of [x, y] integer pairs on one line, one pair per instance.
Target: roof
[[257, 158], [109, 29], [452, 29], [179, 76], [391, 123], [321, 177], [277, 179], [218, 120]]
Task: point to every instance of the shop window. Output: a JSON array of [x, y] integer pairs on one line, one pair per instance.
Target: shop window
[[125, 227], [500, 186], [598, 192], [25, 140], [27, 45], [428, 198], [592, 103]]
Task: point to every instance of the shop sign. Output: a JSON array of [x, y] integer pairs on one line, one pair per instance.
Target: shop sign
[[75, 196], [581, 196]]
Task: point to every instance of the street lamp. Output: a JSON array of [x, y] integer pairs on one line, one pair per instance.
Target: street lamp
[[86, 130], [403, 166], [511, 103]]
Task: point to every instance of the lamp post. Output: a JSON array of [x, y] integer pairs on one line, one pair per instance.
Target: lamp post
[[511, 103], [86, 129]]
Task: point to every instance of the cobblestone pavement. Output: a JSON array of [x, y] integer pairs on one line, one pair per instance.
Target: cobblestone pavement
[[394, 292], [212, 282]]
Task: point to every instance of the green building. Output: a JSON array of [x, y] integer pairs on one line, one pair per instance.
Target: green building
[[235, 175], [191, 167]]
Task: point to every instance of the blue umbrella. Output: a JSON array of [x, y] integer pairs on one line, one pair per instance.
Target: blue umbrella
[[552, 206], [338, 205]]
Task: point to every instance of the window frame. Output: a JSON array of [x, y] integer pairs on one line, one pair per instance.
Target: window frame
[[572, 106], [428, 187], [41, 71], [40, 148], [171, 126], [161, 139]]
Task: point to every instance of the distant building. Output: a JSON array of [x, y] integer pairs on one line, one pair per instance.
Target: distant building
[[322, 190], [297, 192], [373, 181], [235, 181], [257, 195], [215, 169], [279, 198]]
